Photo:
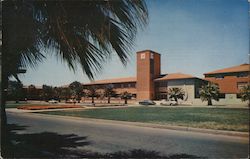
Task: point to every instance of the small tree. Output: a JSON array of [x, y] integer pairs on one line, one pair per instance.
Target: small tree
[[245, 94], [209, 92], [47, 92], [77, 89], [125, 95], [66, 93], [109, 92], [176, 93], [92, 92]]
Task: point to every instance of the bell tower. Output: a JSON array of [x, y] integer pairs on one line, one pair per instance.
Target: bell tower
[[148, 68]]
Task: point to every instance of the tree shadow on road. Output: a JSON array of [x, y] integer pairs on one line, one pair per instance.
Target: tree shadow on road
[[45, 144], [53, 145], [142, 154]]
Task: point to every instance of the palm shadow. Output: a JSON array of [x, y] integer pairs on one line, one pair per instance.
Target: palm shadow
[[53, 145], [37, 145]]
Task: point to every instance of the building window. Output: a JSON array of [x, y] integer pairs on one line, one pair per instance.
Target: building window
[[125, 85], [197, 91], [133, 85], [238, 95], [134, 95], [222, 95], [163, 84], [240, 85], [143, 56], [152, 68], [219, 76], [151, 56], [117, 85], [161, 95], [243, 74]]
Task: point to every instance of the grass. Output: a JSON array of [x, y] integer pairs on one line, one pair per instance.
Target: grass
[[234, 119]]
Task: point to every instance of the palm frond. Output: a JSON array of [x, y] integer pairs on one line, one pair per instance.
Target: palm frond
[[84, 33], [87, 32]]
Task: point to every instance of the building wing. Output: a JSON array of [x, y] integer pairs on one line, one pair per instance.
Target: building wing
[[238, 68]]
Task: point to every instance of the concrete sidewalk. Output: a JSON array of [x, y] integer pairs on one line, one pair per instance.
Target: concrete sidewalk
[[151, 125]]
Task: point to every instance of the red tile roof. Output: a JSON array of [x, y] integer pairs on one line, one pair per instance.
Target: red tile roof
[[147, 51], [114, 80], [174, 76], [37, 87], [238, 68]]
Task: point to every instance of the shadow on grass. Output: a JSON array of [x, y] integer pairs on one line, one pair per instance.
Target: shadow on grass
[[53, 145]]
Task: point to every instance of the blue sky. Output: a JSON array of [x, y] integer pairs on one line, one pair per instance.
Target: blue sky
[[192, 36]]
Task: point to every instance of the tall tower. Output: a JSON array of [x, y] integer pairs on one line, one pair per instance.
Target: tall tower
[[148, 68]]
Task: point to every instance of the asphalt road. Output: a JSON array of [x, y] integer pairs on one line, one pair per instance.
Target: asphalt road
[[111, 137]]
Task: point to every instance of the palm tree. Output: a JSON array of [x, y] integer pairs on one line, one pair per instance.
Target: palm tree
[[109, 92], [176, 93], [78, 32], [209, 92], [126, 95], [245, 94], [92, 92], [77, 89]]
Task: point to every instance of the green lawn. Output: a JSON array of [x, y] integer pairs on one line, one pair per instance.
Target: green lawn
[[211, 118]]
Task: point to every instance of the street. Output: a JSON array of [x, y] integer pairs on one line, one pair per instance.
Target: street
[[111, 137]]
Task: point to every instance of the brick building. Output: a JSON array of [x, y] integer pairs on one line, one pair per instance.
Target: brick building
[[230, 81], [149, 83]]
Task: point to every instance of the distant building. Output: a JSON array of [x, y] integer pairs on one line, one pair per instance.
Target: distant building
[[150, 83], [120, 85]]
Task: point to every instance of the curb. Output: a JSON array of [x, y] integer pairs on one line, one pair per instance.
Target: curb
[[171, 127]]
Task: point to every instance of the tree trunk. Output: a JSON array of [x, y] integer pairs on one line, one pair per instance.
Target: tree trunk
[[209, 102], [4, 133], [176, 99], [108, 100], [126, 101]]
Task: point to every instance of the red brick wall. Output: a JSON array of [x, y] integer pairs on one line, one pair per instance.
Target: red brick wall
[[157, 63], [228, 84], [145, 83]]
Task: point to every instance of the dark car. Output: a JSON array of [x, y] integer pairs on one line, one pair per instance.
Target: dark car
[[147, 102]]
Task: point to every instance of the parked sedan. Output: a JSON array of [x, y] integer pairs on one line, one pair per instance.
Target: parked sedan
[[168, 102], [53, 101], [147, 102]]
